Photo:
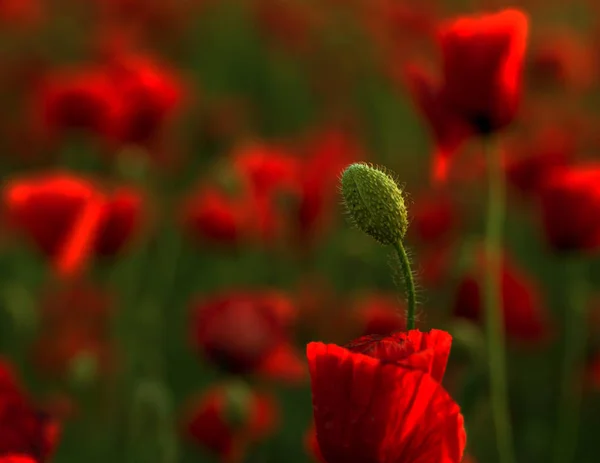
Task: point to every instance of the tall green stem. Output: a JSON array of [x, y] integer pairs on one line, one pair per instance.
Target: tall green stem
[[569, 405], [409, 284], [494, 320]]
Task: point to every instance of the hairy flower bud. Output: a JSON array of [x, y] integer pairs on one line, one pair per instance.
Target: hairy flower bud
[[375, 202]]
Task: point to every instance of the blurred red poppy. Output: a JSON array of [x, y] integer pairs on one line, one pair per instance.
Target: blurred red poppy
[[570, 198], [434, 218], [227, 419], [380, 406], [525, 317], [247, 332], [312, 445], [23, 429], [480, 92], [69, 218]]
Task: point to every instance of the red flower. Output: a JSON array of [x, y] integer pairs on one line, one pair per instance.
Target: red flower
[[70, 218], [23, 429], [384, 406], [60, 213], [570, 198], [246, 332], [480, 92], [227, 419], [525, 317], [312, 445], [77, 325], [434, 218], [482, 64], [150, 96], [210, 215], [81, 99]]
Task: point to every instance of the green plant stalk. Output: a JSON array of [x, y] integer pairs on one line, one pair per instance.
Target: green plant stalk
[[569, 404], [494, 322], [409, 284]]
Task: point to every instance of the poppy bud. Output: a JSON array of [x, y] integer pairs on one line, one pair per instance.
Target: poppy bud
[[375, 203]]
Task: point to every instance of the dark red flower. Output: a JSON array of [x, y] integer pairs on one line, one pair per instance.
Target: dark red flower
[[150, 95], [434, 218], [226, 419], [77, 323], [60, 213], [210, 215], [24, 430], [70, 218], [570, 198], [482, 61], [246, 332], [525, 317], [81, 99], [383, 409]]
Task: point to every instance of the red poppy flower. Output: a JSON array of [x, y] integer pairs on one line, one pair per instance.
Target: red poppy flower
[[525, 317], [226, 419], [380, 314], [81, 99], [60, 213], [210, 215], [384, 406], [150, 96], [569, 199], [482, 61], [23, 429], [246, 332], [70, 218], [434, 218], [77, 326]]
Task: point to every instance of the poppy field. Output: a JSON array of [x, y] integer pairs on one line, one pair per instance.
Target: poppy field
[[299, 231]]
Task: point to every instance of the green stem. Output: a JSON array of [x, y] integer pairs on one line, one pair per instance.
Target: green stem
[[494, 320], [409, 284], [569, 405]]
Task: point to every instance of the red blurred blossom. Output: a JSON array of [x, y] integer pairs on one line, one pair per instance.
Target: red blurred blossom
[[69, 218], [385, 406], [380, 314], [525, 317], [482, 61], [24, 430], [77, 323], [480, 89], [312, 445], [210, 215], [150, 95], [77, 99], [529, 163], [226, 420], [247, 332], [569, 200], [20, 12]]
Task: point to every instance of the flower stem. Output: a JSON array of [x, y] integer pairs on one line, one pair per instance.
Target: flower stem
[[494, 322], [569, 405], [409, 284]]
